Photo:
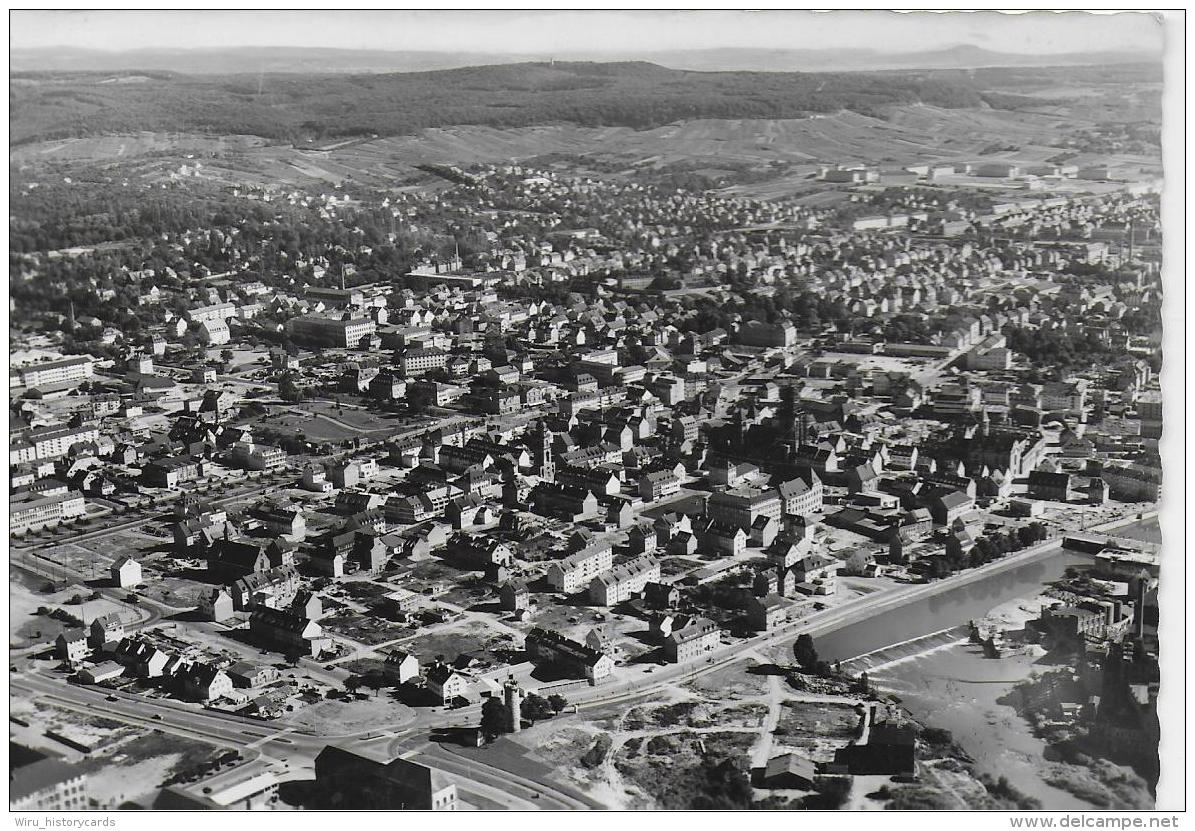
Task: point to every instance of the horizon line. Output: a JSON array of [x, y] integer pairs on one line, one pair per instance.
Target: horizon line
[[594, 50]]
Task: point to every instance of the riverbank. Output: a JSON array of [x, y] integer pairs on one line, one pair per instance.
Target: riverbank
[[943, 681], [867, 609]]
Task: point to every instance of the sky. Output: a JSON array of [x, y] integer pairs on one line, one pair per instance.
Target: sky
[[540, 32]]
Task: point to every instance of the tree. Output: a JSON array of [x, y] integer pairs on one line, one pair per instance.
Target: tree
[[831, 793], [984, 550], [558, 702], [352, 683], [727, 788], [537, 708], [804, 652], [494, 716], [288, 390], [1026, 536]]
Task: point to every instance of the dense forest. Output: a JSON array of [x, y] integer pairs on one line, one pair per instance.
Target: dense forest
[[314, 107]]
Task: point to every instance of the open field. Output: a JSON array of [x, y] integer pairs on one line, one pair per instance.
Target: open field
[[322, 421], [342, 717]]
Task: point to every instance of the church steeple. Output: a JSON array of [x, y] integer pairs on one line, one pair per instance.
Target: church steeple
[[543, 452]]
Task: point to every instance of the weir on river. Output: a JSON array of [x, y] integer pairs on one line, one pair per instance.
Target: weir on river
[[952, 607], [881, 659]]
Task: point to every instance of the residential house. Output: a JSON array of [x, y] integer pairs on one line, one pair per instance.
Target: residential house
[[691, 641]]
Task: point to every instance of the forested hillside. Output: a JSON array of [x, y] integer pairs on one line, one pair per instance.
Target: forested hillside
[[304, 107]]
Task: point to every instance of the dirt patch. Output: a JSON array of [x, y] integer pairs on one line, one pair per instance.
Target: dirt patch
[[685, 769], [341, 717], [367, 630], [694, 714], [816, 729], [729, 682]]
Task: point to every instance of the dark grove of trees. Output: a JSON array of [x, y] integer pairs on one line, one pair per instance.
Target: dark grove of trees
[[302, 107], [1059, 350]]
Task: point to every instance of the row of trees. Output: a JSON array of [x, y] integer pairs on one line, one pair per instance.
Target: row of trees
[[987, 548]]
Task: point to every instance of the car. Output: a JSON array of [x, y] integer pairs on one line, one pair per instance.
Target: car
[[156, 716], [111, 698]]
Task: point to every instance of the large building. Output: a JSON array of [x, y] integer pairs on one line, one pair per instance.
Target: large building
[[339, 333], [215, 311], [72, 370], [801, 498], [658, 484], [1133, 482], [287, 632], [476, 552], [171, 472], [274, 587], [574, 572], [419, 360], [696, 637], [351, 779], [758, 333], [47, 442], [552, 648], [621, 582], [29, 511], [47, 785], [742, 506], [249, 455]]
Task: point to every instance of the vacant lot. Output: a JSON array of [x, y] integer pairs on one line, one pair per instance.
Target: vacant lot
[[366, 630], [729, 682], [679, 770], [816, 729], [449, 643], [337, 717], [324, 421], [694, 714]]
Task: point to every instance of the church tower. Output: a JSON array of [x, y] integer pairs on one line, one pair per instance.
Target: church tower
[[543, 453]]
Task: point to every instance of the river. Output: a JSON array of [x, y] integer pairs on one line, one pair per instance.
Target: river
[[951, 607], [945, 682]]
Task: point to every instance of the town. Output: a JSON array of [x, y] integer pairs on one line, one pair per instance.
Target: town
[[349, 489]]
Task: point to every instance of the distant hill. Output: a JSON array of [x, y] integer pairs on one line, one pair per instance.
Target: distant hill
[[316, 60], [870, 60], [300, 107], [244, 60]]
